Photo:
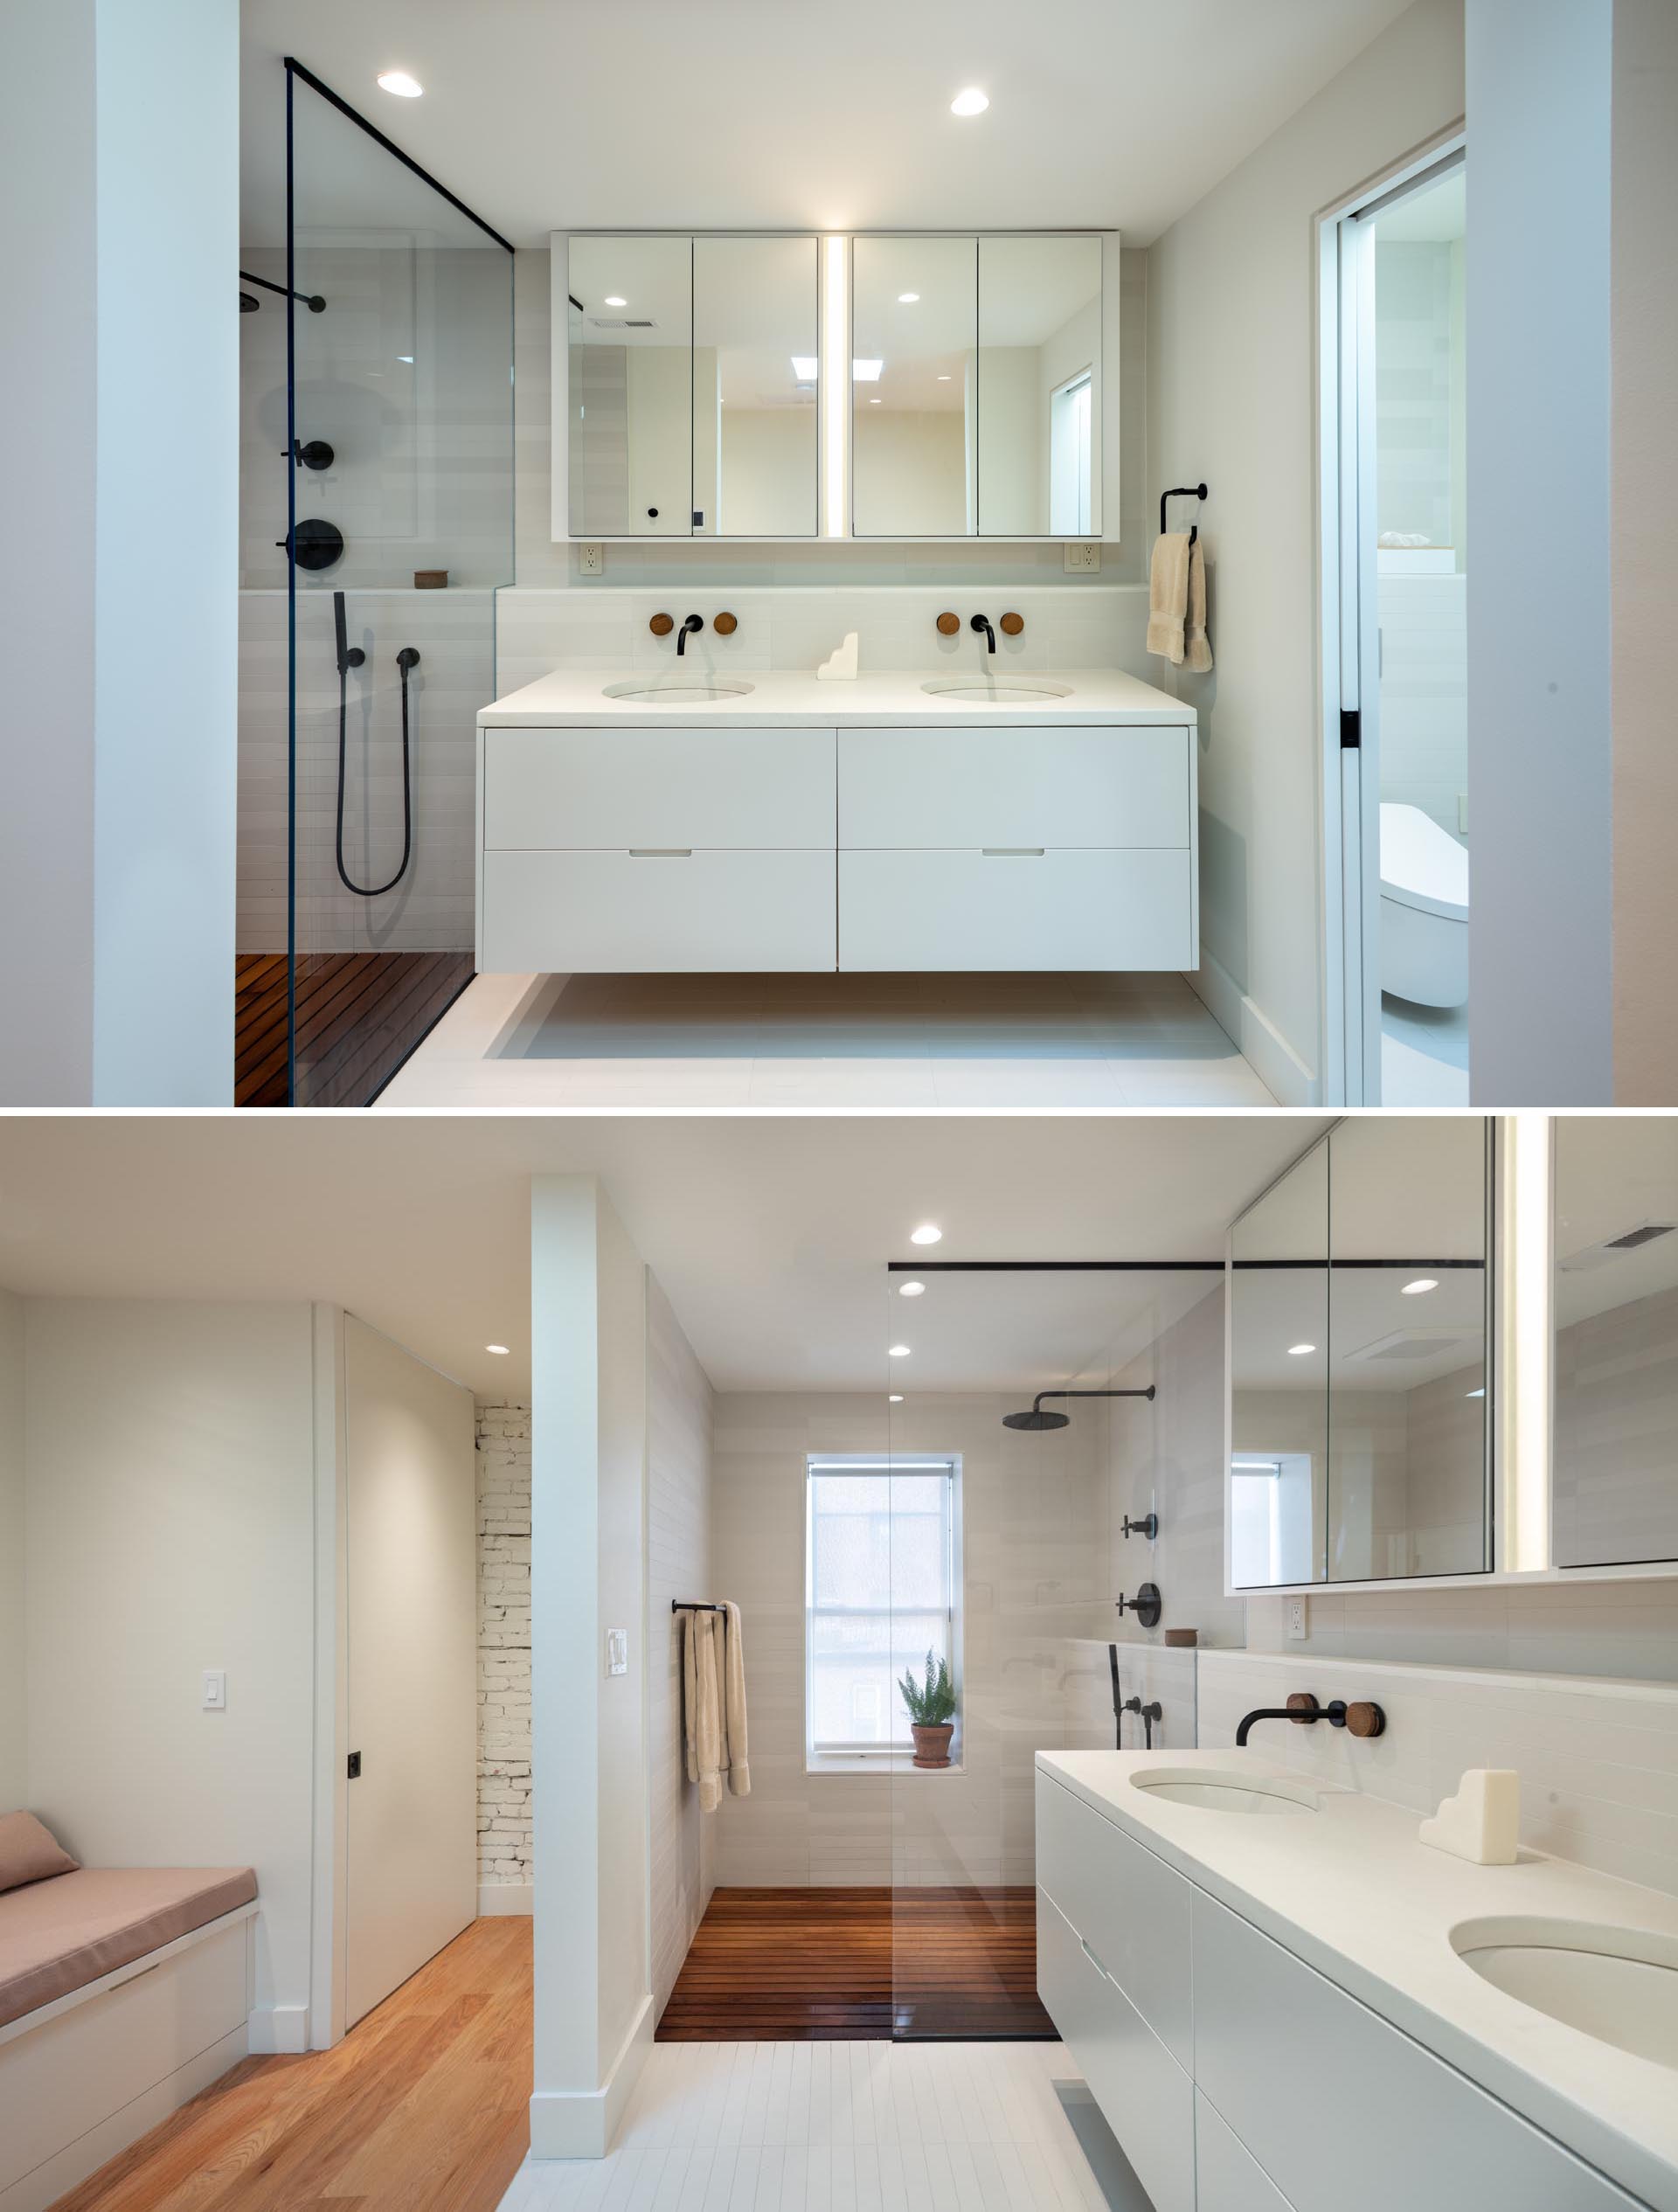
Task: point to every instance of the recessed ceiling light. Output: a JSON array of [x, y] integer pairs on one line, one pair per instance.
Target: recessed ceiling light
[[944, 379], [613, 299], [896, 1398], [804, 367], [873, 403], [928, 1233], [1299, 1351], [400, 82], [1421, 1283], [897, 1351], [501, 1348], [907, 299], [408, 358], [910, 1290], [971, 101]]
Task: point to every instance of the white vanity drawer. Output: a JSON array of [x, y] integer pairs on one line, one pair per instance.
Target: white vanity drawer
[[1226, 2178], [1339, 2107], [623, 913], [1130, 1908], [1108, 787], [1034, 910], [606, 789], [1145, 2096]]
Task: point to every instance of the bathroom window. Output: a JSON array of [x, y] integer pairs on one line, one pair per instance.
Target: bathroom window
[[1069, 458], [881, 1542], [1270, 1518]]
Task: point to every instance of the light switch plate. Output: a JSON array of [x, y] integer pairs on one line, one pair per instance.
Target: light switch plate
[[617, 1651], [591, 560], [1084, 558], [1297, 1630], [215, 1690]]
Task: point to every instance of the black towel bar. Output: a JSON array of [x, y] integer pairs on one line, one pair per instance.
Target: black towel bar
[[1181, 491], [692, 1606]]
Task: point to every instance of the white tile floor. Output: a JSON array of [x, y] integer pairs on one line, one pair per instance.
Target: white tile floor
[[815, 2127], [1423, 1054], [828, 1041]]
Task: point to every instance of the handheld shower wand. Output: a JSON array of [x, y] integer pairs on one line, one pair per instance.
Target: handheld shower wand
[[352, 656]]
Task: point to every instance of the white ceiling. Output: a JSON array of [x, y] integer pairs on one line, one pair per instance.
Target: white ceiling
[[645, 112], [770, 1234]]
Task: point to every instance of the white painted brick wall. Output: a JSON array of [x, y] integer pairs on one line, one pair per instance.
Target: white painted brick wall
[[504, 1644]]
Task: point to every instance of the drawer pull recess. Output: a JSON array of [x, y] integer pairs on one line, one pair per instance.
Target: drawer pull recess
[[1093, 1960], [1012, 852], [661, 852]]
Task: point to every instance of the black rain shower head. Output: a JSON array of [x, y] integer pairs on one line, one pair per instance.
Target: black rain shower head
[[1037, 1419]]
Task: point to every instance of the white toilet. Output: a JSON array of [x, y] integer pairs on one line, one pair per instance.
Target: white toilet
[[1424, 909]]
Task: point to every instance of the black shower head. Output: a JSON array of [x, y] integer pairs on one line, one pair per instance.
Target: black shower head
[[1037, 1419]]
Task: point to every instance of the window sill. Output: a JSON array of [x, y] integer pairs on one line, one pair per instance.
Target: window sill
[[889, 1763]]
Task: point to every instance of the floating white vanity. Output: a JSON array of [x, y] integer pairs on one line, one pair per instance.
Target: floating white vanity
[[1280, 1999], [775, 821]]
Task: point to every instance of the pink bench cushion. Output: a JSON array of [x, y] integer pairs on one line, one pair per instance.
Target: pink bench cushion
[[59, 1935]]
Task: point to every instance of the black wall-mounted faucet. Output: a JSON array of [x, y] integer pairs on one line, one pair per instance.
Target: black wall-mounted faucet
[[1302, 1709], [690, 629], [1147, 1714], [981, 623]]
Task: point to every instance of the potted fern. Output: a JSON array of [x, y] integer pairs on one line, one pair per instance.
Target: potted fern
[[931, 1712]]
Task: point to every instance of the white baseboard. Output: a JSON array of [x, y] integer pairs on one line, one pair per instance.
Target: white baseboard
[[1277, 1066], [510, 1898], [583, 2123], [279, 2031]]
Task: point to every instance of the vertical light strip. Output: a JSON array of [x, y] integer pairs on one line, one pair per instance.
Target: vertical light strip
[[836, 384], [1526, 1376]]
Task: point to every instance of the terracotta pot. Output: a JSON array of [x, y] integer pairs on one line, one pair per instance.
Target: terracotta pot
[[933, 1744]]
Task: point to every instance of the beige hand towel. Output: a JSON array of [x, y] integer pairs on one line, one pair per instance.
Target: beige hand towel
[[690, 1692], [709, 1711], [1167, 595], [1196, 646], [740, 1774]]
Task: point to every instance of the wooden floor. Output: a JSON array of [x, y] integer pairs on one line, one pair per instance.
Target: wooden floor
[[854, 1964], [423, 2107], [359, 1014]]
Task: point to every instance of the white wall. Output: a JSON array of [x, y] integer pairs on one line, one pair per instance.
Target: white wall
[[594, 2001], [170, 1467], [119, 134], [1230, 379], [1540, 761], [1645, 480], [768, 473], [14, 1784]]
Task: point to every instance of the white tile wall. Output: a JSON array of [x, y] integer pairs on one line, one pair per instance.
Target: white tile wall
[[1597, 1758], [1424, 693], [503, 1462]]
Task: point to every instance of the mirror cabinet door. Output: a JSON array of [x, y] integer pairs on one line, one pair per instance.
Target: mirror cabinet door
[[1614, 1487], [756, 387], [915, 330], [630, 387], [1039, 388], [1279, 1387], [1408, 1459]]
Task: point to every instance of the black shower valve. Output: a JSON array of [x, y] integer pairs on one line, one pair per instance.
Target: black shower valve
[[1146, 1605]]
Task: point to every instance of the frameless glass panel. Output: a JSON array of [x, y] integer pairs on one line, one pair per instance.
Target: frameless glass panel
[[1039, 370], [630, 387], [1279, 1380], [1007, 1382], [756, 387], [1616, 1319], [1407, 1412], [915, 328], [400, 481]]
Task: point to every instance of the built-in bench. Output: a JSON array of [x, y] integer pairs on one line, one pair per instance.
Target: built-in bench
[[123, 1991]]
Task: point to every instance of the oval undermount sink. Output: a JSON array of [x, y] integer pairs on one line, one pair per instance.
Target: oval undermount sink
[[1620, 1984], [1016, 690], [1214, 1791], [676, 691]]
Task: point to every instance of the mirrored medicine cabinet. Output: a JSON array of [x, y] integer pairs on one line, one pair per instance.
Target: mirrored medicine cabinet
[[697, 401]]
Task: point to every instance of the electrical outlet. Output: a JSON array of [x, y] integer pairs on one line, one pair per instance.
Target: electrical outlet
[[617, 1651], [1084, 560], [591, 560], [1297, 1630]]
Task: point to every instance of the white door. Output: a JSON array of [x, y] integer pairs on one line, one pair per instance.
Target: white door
[[411, 1595]]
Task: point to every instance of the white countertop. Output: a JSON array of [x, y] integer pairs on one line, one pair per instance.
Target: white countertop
[[573, 698], [1350, 1889]]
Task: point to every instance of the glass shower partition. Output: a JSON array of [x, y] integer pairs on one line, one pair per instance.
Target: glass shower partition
[[397, 467]]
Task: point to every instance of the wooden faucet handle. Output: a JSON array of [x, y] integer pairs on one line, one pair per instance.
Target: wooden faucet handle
[[661, 624], [1011, 624], [726, 625], [1365, 1720], [949, 624], [1303, 1707]]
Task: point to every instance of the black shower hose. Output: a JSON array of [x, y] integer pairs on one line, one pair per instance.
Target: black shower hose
[[406, 659]]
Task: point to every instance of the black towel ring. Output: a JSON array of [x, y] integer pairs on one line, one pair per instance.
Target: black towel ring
[[1181, 491]]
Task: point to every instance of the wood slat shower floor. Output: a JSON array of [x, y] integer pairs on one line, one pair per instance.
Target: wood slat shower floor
[[859, 1964], [359, 1014]]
